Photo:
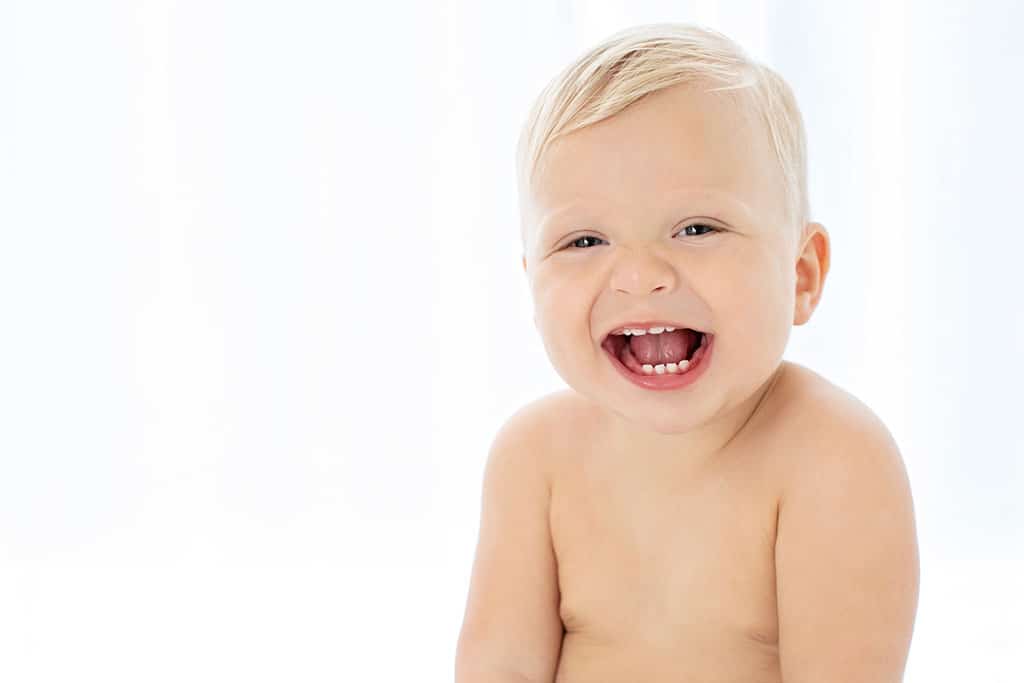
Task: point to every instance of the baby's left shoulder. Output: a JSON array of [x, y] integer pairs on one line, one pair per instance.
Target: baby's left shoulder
[[815, 404], [845, 545], [823, 423]]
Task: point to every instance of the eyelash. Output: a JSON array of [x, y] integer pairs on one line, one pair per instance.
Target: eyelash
[[711, 228]]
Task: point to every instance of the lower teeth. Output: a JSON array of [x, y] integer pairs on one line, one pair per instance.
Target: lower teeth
[[670, 368]]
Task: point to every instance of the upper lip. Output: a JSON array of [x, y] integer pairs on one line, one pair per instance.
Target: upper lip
[[648, 324]]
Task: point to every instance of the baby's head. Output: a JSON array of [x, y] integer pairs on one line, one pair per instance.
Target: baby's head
[[662, 178]]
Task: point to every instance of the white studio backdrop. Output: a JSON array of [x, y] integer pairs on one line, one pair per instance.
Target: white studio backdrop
[[263, 312]]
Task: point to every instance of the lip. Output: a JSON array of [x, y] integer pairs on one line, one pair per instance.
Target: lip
[[668, 382]]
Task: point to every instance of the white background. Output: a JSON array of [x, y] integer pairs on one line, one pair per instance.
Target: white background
[[262, 313]]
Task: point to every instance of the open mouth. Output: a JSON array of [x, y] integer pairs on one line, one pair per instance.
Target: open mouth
[[668, 353], [676, 362]]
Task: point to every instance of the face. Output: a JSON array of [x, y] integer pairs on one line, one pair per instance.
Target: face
[[671, 210]]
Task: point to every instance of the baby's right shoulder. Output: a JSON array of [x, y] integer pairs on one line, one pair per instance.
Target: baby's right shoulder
[[548, 410], [538, 429]]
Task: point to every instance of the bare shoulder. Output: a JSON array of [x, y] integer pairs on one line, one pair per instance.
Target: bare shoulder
[[813, 403], [846, 548], [539, 428], [550, 410], [825, 425]]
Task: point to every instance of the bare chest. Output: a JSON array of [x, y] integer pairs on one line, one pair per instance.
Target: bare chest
[[666, 573]]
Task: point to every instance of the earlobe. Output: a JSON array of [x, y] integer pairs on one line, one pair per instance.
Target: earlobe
[[811, 270]]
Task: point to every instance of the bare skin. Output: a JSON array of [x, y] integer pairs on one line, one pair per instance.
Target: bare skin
[[663, 513], [636, 186], [653, 522], [666, 572]]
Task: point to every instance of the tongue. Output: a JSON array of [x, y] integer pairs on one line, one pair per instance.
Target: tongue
[[667, 347]]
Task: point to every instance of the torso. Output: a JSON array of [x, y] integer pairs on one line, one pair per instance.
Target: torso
[[668, 576]]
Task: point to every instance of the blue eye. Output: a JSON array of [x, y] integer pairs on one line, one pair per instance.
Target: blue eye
[[710, 229]]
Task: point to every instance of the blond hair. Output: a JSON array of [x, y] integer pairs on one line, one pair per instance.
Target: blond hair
[[647, 58]]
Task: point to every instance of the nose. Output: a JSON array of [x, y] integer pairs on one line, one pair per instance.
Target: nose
[[642, 273]]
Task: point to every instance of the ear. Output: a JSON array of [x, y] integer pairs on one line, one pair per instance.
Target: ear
[[524, 263], [811, 270]]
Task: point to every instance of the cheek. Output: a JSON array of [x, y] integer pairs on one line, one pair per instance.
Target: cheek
[[557, 292], [758, 296], [557, 310], [562, 309]]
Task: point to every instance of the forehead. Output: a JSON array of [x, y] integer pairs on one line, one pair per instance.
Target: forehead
[[672, 143]]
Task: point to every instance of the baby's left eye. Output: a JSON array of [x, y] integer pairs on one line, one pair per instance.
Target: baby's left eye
[[710, 228], [576, 241]]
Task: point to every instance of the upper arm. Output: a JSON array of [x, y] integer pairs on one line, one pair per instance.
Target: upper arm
[[512, 617], [846, 556]]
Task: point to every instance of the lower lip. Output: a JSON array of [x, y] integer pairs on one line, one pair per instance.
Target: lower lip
[[667, 381]]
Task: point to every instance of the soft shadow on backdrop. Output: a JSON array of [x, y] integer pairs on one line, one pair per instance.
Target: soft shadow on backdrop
[[263, 312]]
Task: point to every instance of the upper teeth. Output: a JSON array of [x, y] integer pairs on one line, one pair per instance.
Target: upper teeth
[[652, 330]]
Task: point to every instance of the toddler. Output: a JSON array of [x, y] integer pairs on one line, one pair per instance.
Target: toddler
[[692, 507]]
